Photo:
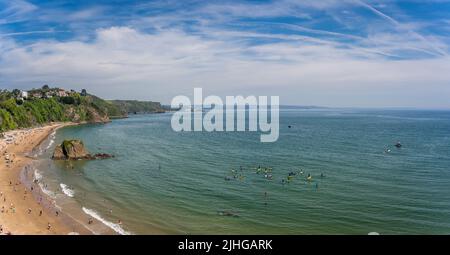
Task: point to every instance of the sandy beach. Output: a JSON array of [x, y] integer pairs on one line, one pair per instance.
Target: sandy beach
[[20, 212]]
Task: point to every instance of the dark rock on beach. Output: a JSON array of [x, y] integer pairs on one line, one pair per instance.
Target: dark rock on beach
[[75, 150]]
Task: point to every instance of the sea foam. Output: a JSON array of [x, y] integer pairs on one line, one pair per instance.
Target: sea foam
[[116, 227], [52, 140], [66, 190], [46, 191], [38, 176], [50, 144]]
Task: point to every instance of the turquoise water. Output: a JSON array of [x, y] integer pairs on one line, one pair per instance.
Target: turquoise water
[[162, 181]]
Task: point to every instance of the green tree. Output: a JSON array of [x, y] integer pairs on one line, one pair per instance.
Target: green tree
[[16, 92], [6, 121], [67, 100]]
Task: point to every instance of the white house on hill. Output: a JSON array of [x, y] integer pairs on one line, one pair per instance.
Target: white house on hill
[[23, 94]]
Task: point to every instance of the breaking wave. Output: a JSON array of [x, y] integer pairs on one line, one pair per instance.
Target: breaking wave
[[116, 227], [66, 190]]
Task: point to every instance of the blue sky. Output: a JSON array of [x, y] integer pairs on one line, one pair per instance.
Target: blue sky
[[334, 53]]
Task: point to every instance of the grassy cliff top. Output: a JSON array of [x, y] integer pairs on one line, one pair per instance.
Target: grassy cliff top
[[54, 104]]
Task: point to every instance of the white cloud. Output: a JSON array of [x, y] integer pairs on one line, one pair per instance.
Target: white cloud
[[355, 62], [124, 63]]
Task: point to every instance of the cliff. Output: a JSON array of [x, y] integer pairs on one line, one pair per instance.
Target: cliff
[[57, 105], [54, 104], [23, 113], [133, 106]]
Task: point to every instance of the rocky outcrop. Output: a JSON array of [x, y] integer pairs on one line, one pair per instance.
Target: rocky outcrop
[[75, 150], [103, 156], [71, 149], [97, 117], [59, 153]]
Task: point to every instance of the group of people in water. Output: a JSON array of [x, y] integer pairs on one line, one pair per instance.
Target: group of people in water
[[268, 175]]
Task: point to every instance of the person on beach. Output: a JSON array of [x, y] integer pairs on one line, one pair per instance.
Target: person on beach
[[40, 213], [49, 226]]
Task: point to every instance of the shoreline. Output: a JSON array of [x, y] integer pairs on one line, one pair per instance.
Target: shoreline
[[21, 212]]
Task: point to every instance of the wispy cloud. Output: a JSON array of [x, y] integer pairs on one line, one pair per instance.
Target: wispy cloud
[[12, 11], [398, 25], [32, 32], [343, 53]]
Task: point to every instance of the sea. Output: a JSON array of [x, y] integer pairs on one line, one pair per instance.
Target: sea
[[166, 182]]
